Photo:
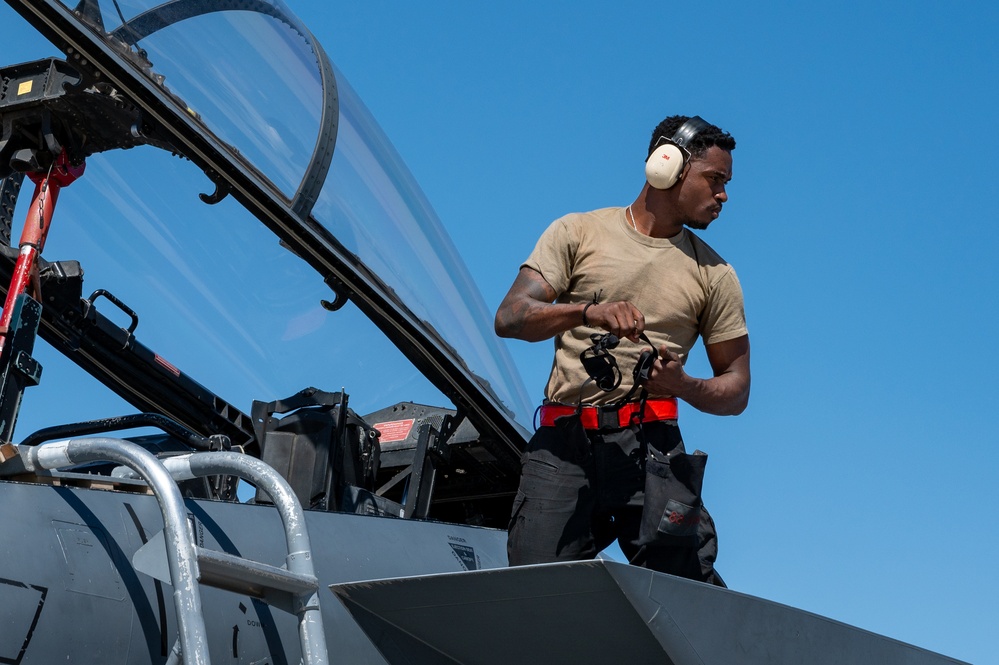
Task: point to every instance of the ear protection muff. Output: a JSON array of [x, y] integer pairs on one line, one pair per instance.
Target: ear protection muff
[[665, 165]]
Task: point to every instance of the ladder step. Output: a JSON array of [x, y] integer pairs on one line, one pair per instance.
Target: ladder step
[[233, 573]]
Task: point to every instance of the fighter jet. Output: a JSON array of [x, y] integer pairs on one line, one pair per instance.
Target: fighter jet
[[269, 421]]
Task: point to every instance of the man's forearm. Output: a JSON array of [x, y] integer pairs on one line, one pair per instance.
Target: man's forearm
[[533, 321], [726, 395], [528, 313]]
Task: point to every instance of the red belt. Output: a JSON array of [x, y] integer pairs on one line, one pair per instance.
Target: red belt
[[612, 417]]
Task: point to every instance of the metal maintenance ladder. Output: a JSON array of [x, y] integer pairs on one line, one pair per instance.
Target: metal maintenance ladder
[[294, 587]]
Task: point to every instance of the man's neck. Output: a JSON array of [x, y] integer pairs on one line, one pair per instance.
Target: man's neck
[[654, 217]]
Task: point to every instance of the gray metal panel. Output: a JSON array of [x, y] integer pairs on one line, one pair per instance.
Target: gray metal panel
[[602, 612], [586, 612], [573, 613], [725, 626], [55, 615]]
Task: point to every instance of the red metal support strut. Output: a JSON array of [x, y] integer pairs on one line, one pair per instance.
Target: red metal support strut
[[36, 228]]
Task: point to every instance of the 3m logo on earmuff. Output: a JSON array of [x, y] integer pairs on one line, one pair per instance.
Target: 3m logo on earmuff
[[661, 169]]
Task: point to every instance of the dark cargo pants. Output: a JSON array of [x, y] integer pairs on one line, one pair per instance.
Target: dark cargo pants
[[582, 489]]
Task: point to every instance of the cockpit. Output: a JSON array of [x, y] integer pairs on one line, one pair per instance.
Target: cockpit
[[246, 264]]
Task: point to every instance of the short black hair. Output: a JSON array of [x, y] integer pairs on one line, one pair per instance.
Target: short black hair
[[707, 137]]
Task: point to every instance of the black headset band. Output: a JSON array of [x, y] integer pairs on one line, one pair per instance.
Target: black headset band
[[685, 133], [688, 130]]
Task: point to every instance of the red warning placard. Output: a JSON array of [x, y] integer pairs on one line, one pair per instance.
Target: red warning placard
[[396, 430]]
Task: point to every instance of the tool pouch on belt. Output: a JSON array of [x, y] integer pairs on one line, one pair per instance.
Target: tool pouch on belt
[[672, 511]]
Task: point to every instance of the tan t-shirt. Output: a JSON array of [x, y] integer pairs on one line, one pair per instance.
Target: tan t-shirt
[[680, 284]]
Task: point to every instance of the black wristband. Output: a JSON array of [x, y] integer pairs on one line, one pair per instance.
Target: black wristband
[[586, 307]]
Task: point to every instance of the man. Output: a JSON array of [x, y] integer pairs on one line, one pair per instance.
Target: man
[[608, 460]]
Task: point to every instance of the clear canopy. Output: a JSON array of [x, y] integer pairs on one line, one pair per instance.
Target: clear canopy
[[216, 294]]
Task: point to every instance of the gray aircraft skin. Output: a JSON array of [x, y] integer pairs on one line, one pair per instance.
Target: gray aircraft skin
[[375, 534]]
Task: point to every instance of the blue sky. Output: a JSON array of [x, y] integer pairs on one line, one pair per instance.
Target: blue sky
[[860, 482]]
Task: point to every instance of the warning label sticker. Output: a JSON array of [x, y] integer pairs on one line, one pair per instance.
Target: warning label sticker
[[166, 365], [396, 430]]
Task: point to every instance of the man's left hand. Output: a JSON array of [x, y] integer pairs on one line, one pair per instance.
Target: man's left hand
[[725, 394], [667, 378]]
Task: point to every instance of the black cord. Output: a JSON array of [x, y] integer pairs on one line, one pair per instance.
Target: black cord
[[595, 301]]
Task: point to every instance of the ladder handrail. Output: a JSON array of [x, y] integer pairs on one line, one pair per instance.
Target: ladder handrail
[[299, 559], [181, 556]]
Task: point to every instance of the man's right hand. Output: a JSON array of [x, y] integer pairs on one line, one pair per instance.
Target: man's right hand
[[621, 318]]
